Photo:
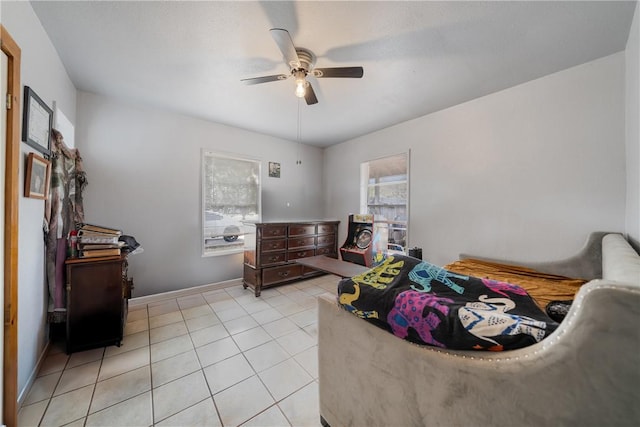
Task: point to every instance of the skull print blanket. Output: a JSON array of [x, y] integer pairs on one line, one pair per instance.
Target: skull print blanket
[[426, 304]]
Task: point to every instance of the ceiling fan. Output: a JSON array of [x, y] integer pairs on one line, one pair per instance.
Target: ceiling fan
[[301, 64]]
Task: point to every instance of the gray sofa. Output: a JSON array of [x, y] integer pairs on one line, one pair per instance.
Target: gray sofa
[[586, 373]]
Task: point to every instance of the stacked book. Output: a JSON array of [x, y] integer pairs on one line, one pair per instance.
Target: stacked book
[[97, 241]]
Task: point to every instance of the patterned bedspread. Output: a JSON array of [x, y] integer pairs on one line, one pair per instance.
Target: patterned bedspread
[[427, 304]]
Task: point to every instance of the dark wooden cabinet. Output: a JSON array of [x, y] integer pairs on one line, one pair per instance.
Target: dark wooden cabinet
[[97, 299], [272, 247]]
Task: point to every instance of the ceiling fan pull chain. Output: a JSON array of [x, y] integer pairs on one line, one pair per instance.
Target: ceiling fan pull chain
[[299, 134]]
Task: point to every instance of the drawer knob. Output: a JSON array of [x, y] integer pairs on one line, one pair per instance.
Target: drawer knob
[[283, 273], [273, 259]]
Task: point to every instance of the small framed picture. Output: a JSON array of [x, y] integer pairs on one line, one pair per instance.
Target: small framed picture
[[37, 120], [37, 177], [274, 170]]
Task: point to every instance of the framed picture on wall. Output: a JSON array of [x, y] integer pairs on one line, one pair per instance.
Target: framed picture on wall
[[37, 177], [37, 120], [274, 170]]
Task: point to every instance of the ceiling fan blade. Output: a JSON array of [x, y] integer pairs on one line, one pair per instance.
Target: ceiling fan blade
[[285, 43], [310, 95], [264, 79], [354, 72]]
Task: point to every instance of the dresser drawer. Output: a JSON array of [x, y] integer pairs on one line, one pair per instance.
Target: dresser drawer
[[326, 228], [270, 245], [301, 242], [326, 250], [293, 255], [327, 239], [273, 258], [281, 274], [301, 229], [269, 231]]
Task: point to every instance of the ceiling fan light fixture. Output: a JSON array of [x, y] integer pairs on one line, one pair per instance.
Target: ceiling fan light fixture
[[301, 87], [301, 83]]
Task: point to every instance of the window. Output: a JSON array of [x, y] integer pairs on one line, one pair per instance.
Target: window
[[230, 196], [384, 192]]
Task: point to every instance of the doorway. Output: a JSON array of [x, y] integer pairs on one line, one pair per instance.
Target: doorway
[[9, 234]]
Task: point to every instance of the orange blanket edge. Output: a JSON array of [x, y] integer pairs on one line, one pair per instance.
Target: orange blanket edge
[[542, 287]]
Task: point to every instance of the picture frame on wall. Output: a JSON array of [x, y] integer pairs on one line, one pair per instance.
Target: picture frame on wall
[[37, 121], [274, 170], [37, 177]]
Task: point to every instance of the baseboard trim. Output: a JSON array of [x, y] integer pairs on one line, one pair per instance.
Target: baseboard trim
[[34, 374], [147, 299]]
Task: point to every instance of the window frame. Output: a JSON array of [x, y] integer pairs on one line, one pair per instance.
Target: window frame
[[365, 186], [233, 247]]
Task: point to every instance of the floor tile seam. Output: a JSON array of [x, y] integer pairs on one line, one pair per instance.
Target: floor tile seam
[[257, 413], [275, 364], [199, 368], [253, 346], [239, 332], [167, 339], [201, 328], [284, 414], [203, 367], [292, 393], [172, 355], [288, 395], [215, 405], [115, 403], [82, 417], [120, 374], [206, 304], [85, 362], [197, 297], [167, 324], [274, 404], [48, 401], [50, 396], [255, 374], [94, 382], [210, 342], [298, 328], [311, 374], [184, 409], [199, 315], [124, 351]]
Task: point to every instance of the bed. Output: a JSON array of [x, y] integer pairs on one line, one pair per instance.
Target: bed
[[585, 370]]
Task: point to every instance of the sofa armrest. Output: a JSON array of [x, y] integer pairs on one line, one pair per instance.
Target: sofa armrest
[[585, 264]]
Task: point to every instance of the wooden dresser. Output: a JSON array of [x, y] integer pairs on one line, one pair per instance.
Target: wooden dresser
[[272, 247], [97, 299]]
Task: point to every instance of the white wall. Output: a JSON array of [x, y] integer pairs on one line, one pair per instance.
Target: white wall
[[525, 173], [632, 91], [43, 71], [143, 168]]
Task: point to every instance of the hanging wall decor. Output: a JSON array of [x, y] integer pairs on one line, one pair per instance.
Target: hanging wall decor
[[274, 170], [38, 176], [37, 120]]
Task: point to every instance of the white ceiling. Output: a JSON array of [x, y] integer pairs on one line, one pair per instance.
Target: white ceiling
[[418, 57]]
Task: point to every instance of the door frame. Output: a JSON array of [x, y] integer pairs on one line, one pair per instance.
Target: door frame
[[12, 184]]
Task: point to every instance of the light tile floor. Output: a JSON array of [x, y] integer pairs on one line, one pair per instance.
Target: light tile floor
[[219, 358]]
